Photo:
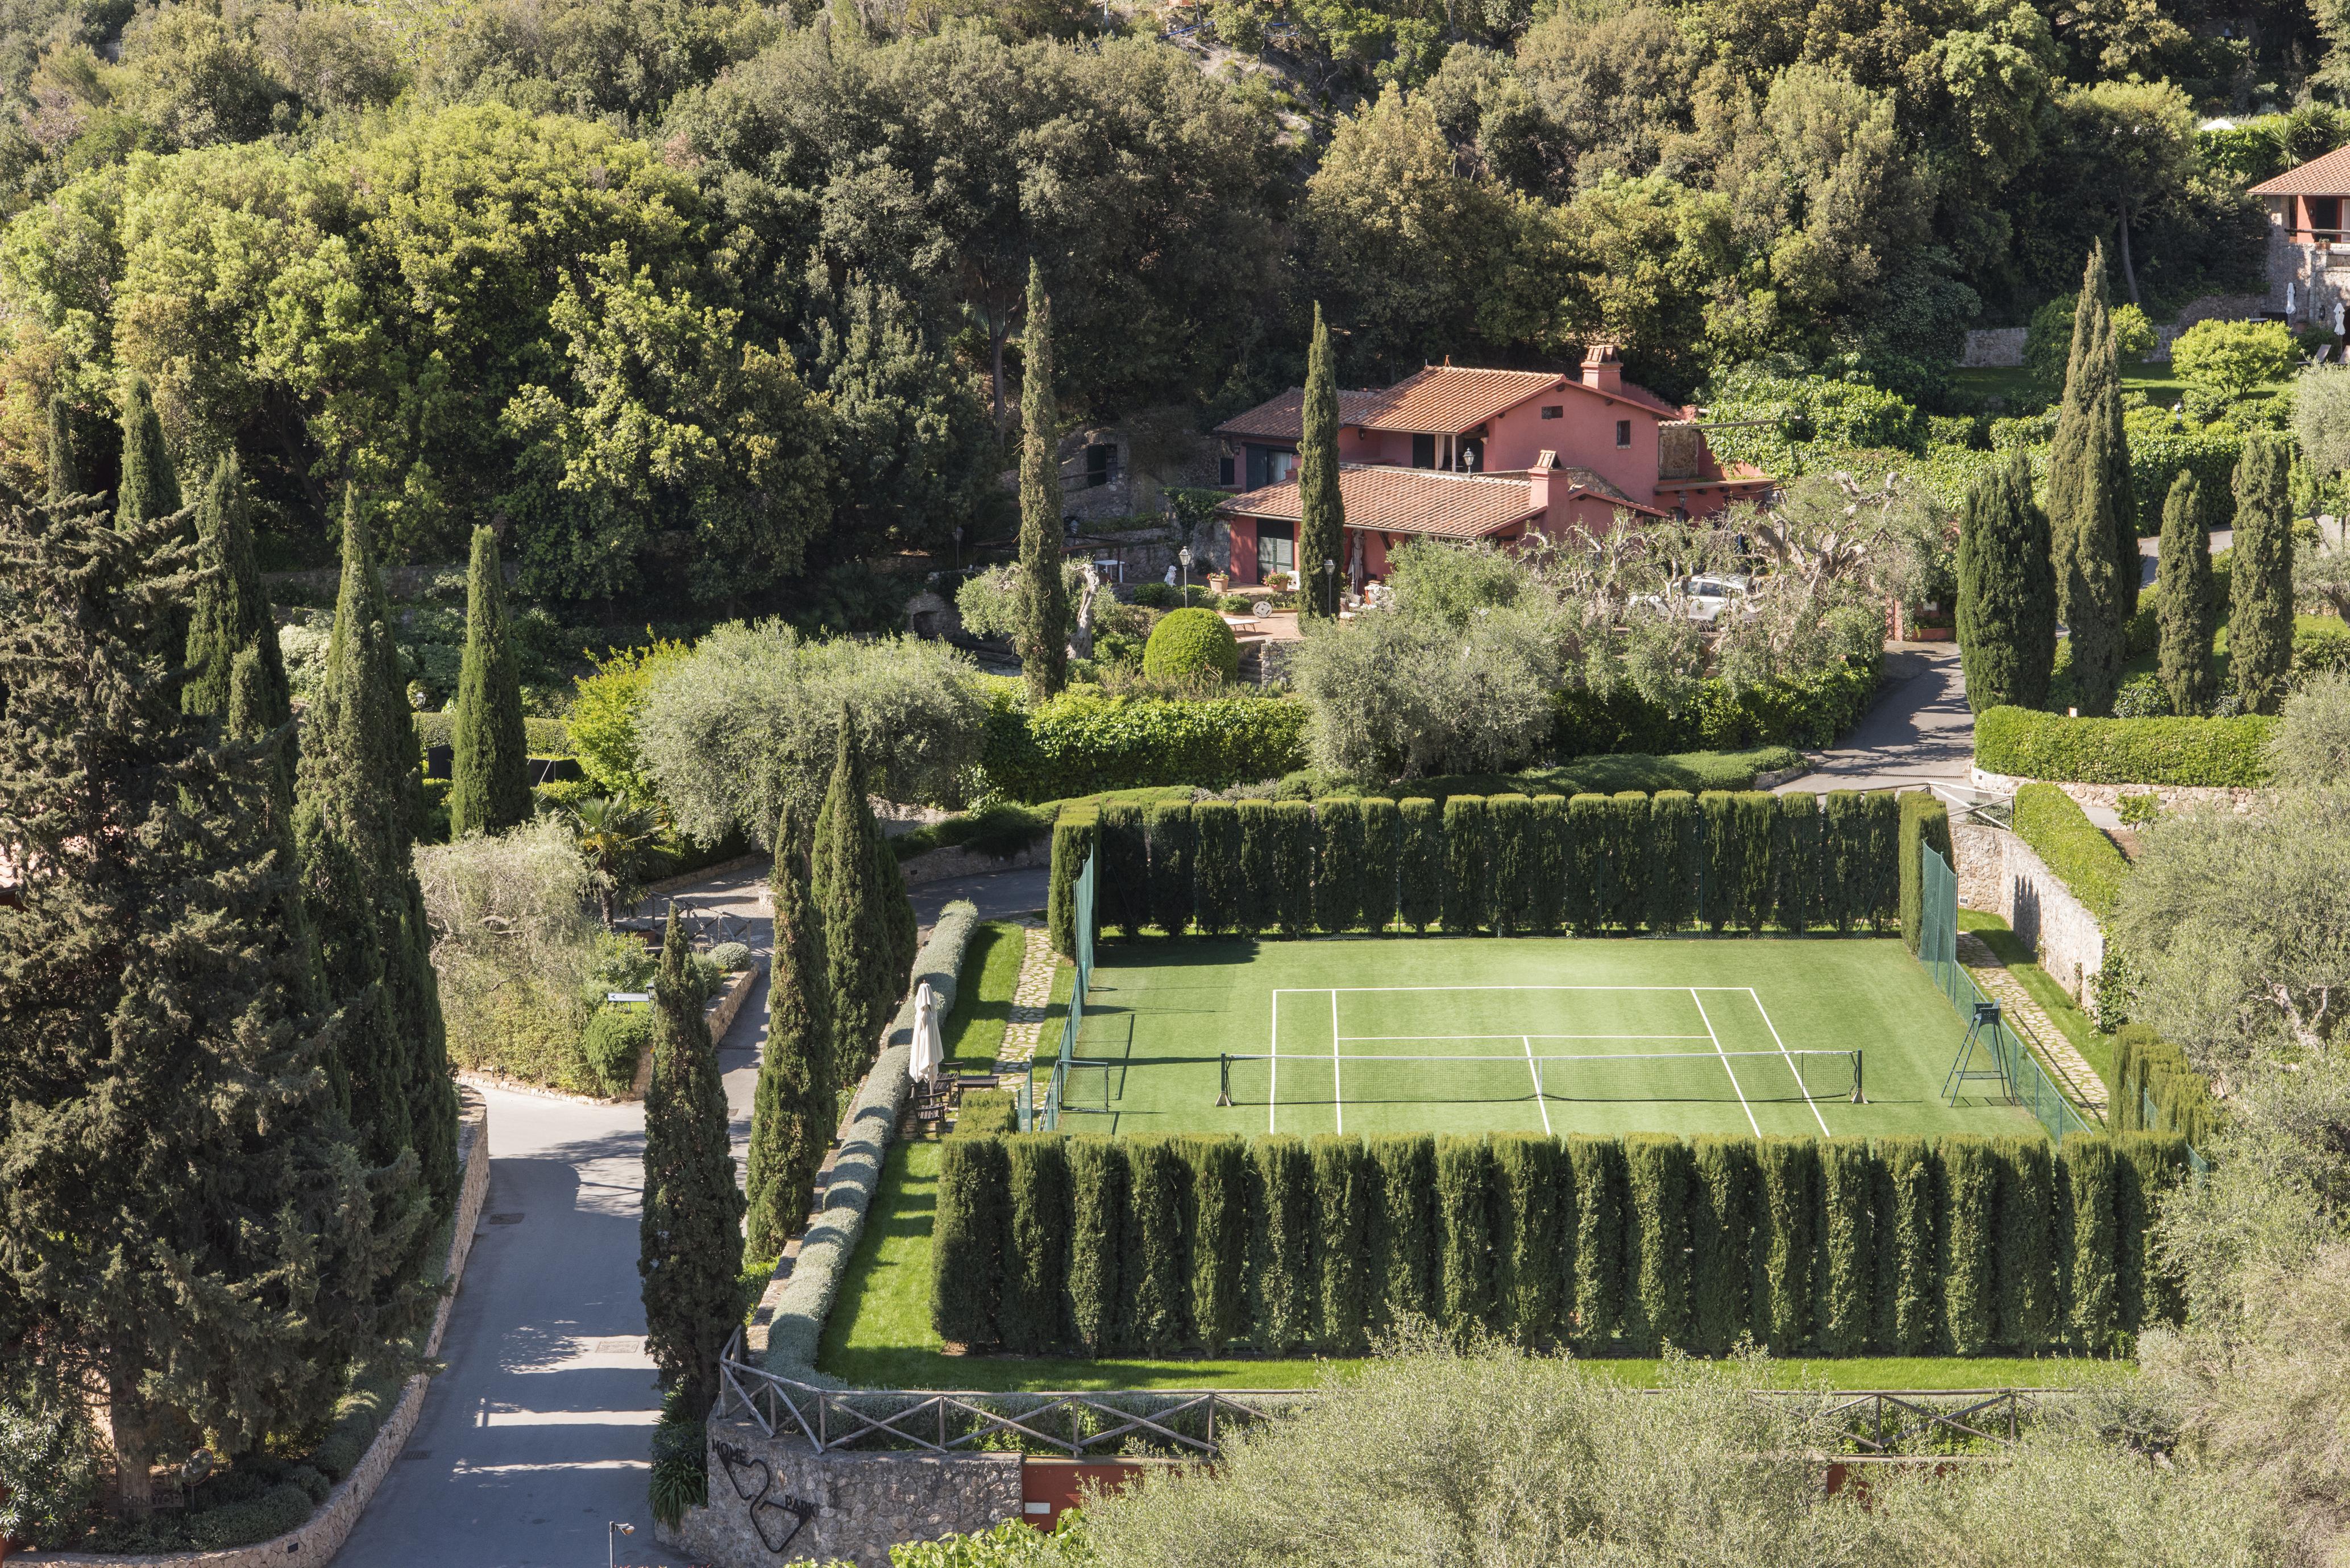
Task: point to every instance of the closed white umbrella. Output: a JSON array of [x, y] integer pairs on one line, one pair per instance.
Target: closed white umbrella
[[930, 1051]]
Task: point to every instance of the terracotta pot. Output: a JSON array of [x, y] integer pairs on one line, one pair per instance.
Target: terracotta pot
[[1933, 633]]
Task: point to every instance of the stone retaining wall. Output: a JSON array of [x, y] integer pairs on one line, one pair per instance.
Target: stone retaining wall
[[2174, 797], [2059, 928], [1981, 863], [938, 865], [318, 1539], [776, 1499]]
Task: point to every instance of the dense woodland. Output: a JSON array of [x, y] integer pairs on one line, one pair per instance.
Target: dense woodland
[[699, 299]]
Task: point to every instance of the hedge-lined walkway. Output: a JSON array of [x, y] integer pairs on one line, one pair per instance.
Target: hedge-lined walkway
[[2015, 1003]]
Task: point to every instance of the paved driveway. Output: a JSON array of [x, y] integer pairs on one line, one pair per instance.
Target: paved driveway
[[1920, 730]]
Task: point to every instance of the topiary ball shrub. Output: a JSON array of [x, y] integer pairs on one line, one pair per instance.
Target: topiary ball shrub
[[1190, 642], [730, 956], [613, 1041]]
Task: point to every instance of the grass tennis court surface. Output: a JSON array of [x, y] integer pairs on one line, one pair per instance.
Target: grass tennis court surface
[[1690, 1035]]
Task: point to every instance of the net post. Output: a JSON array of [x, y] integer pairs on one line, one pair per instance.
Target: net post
[[1859, 1097], [1224, 1079]]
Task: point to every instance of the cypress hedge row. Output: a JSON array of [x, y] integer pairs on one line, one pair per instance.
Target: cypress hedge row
[[1507, 864], [2156, 1089], [1965, 1245]]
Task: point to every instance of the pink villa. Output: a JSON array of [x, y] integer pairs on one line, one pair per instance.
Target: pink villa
[[1460, 453]]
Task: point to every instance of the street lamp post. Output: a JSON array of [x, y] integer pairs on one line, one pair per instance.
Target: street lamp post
[[612, 1529], [1184, 555], [1330, 589]]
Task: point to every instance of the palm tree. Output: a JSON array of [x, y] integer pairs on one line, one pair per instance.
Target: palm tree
[[610, 834]]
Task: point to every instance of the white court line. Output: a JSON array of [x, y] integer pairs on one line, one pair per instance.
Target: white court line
[[1318, 989], [1539, 1103], [1353, 1039], [1273, 1070], [1338, 1094], [1791, 1065], [1725, 1061]]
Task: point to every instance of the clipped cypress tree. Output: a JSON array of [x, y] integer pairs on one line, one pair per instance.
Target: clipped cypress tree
[[1041, 636], [1403, 1231], [2188, 613], [489, 776], [1283, 1286], [1848, 1241], [1909, 1248], [1217, 1169], [1339, 868], [1796, 886], [65, 472], [1122, 885], [1260, 867], [1630, 856], [1420, 863], [2148, 1166], [1294, 852], [1584, 863], [1676, 860], [1514, 862], [1073, 848], [185, 1208], [1382, 833], [230, 609], [852, 899], [968, 1261], [2007, 590], [357, 795], [2260, 588], [1322, 515], [150, 489], [689, 1249], [1468, 866], [1099, 1271], [2024, 1261], [1157, 1296], [1596, 1168], [1787, 1209], [1346, 1187], [1216, 867], [1924, 823], [1547, 853], [1754, 813], [1532, 1255], [1035, 1241], [1168, 829], [2087, 1187], [1659, 1178], [795, 1104], [1968, 1231], [2090, 507], [1721, 1237], [1882, 810], [1724, 862], [1464, 1240], [1846, 878]]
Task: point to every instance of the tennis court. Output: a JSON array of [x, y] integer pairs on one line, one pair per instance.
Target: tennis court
[[1797, 1037]]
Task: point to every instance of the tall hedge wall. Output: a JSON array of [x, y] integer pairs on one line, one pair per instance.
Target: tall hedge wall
[[2208, 753], [1614, 1246], [1508, 864]]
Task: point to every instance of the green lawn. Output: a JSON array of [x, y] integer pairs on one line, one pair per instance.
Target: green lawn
[[879, 1335], [2095, 1048], [1695, 1035]]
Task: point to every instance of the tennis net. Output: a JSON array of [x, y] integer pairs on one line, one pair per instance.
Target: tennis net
[[1755, 1076]]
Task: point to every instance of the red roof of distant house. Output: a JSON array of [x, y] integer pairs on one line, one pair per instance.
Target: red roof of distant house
[[1407, 501], [2325, 176], [1447, 400]]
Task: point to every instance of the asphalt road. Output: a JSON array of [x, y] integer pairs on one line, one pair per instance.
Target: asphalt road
[[536, 1436], [1920, 730]]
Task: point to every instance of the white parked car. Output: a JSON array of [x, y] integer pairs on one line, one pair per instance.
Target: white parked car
[[1704, 597]]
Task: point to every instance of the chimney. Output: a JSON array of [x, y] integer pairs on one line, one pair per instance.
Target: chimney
[[1603, 370], [1538, 482]]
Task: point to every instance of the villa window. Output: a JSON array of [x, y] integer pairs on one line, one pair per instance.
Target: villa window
[[1423, 452], [1623, 432], [1553, 411], [1276, 549], [2325, 216]]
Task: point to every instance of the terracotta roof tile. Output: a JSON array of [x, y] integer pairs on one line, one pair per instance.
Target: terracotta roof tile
[[2325, 176], [1407, 501], [1444, 399]]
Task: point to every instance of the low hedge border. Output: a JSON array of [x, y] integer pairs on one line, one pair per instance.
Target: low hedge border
[[796, 1329], [2062, 835], [542, 737], [2206, 753]]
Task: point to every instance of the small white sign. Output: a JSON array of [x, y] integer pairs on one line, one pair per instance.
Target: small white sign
[[628, 996]]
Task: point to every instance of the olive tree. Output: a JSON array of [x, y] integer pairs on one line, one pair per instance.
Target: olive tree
[[751, 719]]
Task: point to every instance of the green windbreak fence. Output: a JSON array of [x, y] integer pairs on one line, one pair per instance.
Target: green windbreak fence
[[1048, 1115], [2024, 1080]]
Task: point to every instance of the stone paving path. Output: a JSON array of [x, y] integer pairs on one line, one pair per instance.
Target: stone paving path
[[1032, 998], [2015, 1005]]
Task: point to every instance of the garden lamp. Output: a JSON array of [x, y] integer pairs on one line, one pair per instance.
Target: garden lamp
[[612, 1531], [1330, 586], [1184, 555]]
